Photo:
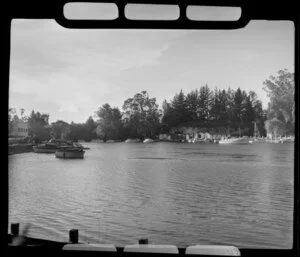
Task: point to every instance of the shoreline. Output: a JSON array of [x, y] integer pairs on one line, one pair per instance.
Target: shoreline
[[19, 148], [27, 148]]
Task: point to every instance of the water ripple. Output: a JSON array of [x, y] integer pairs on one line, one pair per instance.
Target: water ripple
[[171, 193]]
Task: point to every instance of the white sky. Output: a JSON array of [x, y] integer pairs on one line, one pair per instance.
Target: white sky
[[71, 73]]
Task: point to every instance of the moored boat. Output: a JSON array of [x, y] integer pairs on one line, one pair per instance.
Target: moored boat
[[45, 148], [287, 140], [202, 140], [234, 141], [135, 140], [53, 145], [148, 140], [69, 153]]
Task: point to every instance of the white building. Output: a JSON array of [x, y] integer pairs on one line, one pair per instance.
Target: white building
[[18, 129]]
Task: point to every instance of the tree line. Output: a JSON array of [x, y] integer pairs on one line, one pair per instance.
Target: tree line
[[220, 111], [229, 112], [39, 128]]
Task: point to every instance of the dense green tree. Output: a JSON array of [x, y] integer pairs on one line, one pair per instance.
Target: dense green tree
[[259, 115], [110, 123], [238, 108], [192, 105], [218, 114], [180, 109], [281, 108], [205, 101], [169, 117], [223, 101], [221, 110], [77, 132], [90, 128], [38, 126], [275, 127], [141, 115], [248, 116], [230, 94], [60, 129], [281, 91]]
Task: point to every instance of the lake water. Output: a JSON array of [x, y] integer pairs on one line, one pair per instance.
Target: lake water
[[170, 193]]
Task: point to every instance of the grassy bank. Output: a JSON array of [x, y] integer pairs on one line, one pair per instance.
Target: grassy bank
[[19, 148]]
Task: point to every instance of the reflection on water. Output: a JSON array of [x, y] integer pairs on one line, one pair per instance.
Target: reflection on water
[[171, 193]]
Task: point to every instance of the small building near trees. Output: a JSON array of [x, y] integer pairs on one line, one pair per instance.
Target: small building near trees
[[18, 128]]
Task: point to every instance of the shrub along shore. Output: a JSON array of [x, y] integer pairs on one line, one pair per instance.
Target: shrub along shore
[[19, 148]]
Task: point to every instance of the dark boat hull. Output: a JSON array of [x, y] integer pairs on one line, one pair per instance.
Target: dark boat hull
[[44, 150], [69, 154]]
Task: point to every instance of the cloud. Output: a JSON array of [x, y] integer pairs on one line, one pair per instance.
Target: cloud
[[42, 50], [68, 108], [73, 72], [132, 58]]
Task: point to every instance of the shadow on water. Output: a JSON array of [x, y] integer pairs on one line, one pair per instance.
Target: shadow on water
[[233, 155], [156, 158], [70, 160]]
